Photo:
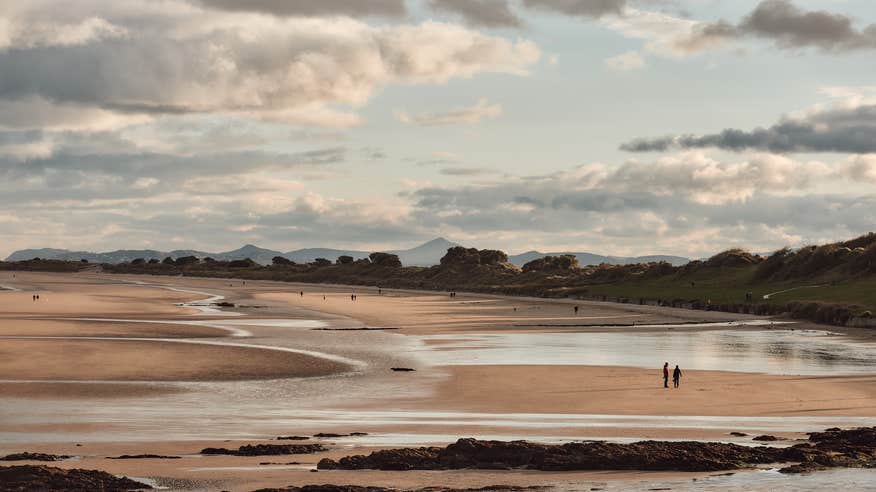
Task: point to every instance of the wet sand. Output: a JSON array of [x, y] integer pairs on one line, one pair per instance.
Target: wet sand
[[488, 389], [634, 391]]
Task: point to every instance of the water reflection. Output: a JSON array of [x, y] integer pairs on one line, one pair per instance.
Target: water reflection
[[798, 352]]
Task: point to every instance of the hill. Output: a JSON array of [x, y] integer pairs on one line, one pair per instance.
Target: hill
[[426, 254], [594, 259]]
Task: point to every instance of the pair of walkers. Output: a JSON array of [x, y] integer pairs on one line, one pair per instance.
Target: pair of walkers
[[676, 376]]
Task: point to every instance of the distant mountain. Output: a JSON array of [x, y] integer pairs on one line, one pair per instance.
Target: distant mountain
[[585, 259], [426, 254]]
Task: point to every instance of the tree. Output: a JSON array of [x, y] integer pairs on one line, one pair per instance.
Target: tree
[[168, 261], [186, 260], [281, 261], [344, 260], [385, 260], [245, 263], [138, 261], [321, 262]]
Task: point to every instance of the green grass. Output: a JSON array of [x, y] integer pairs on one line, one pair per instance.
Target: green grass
[[730, 286]]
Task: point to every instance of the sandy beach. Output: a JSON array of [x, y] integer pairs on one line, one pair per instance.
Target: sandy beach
[[184, 379]]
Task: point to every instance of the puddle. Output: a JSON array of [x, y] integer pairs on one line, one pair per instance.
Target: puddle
[[779, 351]]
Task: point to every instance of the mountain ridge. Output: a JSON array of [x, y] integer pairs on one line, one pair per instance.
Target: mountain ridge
[[426, 254]]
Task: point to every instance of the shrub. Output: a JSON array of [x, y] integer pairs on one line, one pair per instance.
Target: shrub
[[385, 260]]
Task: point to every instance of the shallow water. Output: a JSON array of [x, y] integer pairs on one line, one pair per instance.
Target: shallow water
[[776, 351]]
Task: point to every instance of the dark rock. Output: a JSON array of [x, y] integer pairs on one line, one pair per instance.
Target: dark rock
[[738, 434], [144, 457], [402, 369], [329, 434], [765, 438], [829, 449], [293, 438], [34, 457], [359, 488], [46, 478], [267, 450]]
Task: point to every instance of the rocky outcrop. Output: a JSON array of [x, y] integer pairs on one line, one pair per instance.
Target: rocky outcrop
[[832, 448], [358, 488], [35, 457], [267, 450], [496, 455], [144, 457], [46, 478], [552, 264]]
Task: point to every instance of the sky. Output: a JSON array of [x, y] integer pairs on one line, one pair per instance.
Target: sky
[[623, 127]]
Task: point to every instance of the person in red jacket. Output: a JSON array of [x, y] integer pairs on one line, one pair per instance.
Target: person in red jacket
[[666, 375]]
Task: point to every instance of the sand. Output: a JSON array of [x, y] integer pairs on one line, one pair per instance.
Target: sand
[[635, 391]]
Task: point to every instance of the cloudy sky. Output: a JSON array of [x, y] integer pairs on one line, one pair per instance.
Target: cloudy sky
[[612, 126]]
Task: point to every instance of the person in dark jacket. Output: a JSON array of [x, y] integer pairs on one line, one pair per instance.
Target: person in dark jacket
[[676, 376]]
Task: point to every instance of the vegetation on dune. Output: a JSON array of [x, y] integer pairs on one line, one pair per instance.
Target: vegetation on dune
[[833, 283]]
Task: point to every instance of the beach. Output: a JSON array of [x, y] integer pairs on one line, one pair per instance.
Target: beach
[[104, 365]]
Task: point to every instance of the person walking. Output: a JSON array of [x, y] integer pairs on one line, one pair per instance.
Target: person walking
[[676, 376], [666, 375]]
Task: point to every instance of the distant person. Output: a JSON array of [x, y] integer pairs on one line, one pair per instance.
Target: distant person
[[666, 375], [323, 297], [302, 293], [676, 376], [576, 310]]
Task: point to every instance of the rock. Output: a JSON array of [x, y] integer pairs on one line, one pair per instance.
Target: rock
[[495, 455], [829, 449], [402, 369], [358, 488], [765, 438], [46, 478], [144, 457], [293, 438], [739, 434], [267, 450], [34, 457], [552, 264], [329, 434]]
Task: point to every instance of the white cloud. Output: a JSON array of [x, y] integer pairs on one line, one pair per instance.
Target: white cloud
[[468, 115], [311, 71], [626, 62]]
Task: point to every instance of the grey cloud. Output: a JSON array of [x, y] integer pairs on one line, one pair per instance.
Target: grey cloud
[[385, 8], [789, 26], [793, 27], [836, 130], [488, 13], [466, 171], [312, 71], [580, 8]]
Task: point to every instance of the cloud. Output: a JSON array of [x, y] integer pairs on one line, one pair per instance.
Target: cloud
[[688, 204], [466, 171], [487, 13], [468, 116], [579, 8], [792, 27], [842, 129], [626, 62], [385, 8], [294, 70], [780, 21]]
